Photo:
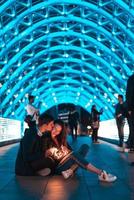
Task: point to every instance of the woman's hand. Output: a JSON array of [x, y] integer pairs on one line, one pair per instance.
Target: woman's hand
[[65, 150], [48, 153]]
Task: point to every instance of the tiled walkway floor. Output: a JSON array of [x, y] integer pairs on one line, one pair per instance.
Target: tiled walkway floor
[[83, 186]]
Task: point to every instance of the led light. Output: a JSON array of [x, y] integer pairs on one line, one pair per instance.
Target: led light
[[116, 95], [123, 76], [15, 95], [83, 71], [113, 49], [19, 64], [98, 53], [87, 105], [17, 49], [77, 53], [105, 95], [55, 99], [33, 67]]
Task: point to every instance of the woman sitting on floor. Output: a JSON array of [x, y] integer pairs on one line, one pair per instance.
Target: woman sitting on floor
[[67, 160]]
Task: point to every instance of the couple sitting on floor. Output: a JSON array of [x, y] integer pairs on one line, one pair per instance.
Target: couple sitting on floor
[[44, 151]]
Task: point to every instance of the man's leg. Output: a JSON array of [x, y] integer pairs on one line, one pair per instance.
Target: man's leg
[[93, 135], [43, 164], [121, 133], [119, 127], [96, 135], [132, 132]]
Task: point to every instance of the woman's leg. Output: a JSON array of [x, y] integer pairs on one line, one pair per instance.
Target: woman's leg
[[88, 167], [82, 162], [102, 175], [71, 162], [93, 169], [77, 160], [83, 150]]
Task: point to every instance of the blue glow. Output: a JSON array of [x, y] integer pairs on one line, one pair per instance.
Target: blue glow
[[82, 54], [68, 60]]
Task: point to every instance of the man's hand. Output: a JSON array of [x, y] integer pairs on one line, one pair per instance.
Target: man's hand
[[129, 112], [48, 153], [119, 115]]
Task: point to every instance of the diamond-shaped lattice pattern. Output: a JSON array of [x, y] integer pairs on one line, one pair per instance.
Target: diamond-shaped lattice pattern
[[68, 51]]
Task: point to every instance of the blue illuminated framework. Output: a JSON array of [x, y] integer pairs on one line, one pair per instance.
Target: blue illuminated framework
[[67, 51]]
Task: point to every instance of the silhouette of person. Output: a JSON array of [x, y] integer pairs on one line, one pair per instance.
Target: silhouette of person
[[95, 117], [120, 114], [32, 113], [130, 105], [31, 159], [73, 120]]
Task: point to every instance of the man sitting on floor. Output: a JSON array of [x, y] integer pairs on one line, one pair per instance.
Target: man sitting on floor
[[30, 159]]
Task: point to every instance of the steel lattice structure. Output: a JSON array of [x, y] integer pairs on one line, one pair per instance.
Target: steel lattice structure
[[67, 51]]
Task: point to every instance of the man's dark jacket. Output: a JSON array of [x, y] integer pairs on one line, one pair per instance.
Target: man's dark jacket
[[130, 93], [32, 149]]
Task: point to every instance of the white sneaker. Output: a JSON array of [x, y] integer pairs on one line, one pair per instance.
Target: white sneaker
[[126, 150], [107, 177], [68, 173]]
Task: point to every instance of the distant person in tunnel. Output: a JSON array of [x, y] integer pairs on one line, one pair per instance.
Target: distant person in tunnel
[[120, 115], [130, 105], [32, 113], [95, 122], [73, 120]]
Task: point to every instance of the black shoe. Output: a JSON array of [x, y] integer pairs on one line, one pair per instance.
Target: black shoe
[[131, 150], [132, 164]]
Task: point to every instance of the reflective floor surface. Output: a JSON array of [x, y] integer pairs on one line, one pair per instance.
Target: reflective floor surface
[[82, 186]]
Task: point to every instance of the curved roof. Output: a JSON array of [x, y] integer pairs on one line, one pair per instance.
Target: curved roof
[[67, 51]]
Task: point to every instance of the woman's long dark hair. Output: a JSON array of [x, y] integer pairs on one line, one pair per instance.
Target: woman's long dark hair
[[61, 138]]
